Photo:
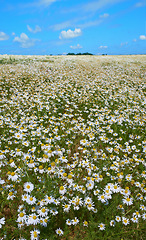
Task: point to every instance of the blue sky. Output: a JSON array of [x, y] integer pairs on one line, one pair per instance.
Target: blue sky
[[61, 26]]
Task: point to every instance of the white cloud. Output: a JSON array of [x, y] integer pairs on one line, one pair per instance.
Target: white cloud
[[142, 37], [103, 47], [24, 40], [13, 33], [90, 24], [62, 25], [105, 15], [92, 6], [124, 43], [37, 29], [36, 4], [140, 4], [78, 46], [75, 23], [96, 5], [70, 34], [3, 36], [46, 2]]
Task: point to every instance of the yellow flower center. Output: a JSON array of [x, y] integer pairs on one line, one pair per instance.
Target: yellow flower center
[[43, 210], [21, 214], [35, 234]]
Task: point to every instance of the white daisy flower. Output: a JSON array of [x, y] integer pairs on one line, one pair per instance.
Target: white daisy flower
[[59, 231], [35, 234], [134, 219], [85, 224], [128, 201], [125, 221], [75, 221], [28, 187], [101, 226], [68, 222], [118, 219]]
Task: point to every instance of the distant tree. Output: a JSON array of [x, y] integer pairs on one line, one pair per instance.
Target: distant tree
[[80, 53], [71, 54], [87, 53]]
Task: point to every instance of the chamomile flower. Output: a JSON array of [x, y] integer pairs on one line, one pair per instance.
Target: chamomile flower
[[66, 207], [144, 216], [59, 231], [102, 198], [68, 222], [28, 187], [137, 214], [125, 221], [31, 200], [35, 234], [134, 219], [33, 219], [22, 217], [112, 223], [101, 226], [2, 222], [62, 190], [13, 176], [142, 207], [85, 223], [128, 201], [43, 212], [118, 219], [96, 192], [75, 221]]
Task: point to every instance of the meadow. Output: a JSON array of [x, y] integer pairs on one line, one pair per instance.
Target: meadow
[[72, 147]]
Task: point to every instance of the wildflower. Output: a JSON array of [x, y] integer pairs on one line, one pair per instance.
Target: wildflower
[[18, 135], [125, 221], [115, 188], [59, 231], [85, 224], [62, 190], [128, 201], [112, 223], [49, 199], [68, 222], [28, 187], [66, 207], [101, 226], [35, 234], [118, 219], [90, 206], [10, 196], [96, 192], [31, 200], [33, 219], [88, 200], [22, 217], [75, 221], [137, 214], [42, 212], [44, 221], [90, 185], [2, 222], [13, 176], [25, 197], [144, 216], [142, 207], [102, 198], [134, 219]]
